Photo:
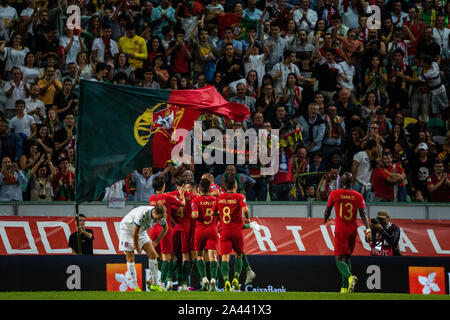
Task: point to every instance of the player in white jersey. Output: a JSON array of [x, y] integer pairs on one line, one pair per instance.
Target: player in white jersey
[[133, 235]]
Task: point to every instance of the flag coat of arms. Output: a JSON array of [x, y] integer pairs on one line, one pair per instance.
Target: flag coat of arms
[[123, 128]]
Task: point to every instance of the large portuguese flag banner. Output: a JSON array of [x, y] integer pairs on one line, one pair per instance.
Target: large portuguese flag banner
[[122, 128]]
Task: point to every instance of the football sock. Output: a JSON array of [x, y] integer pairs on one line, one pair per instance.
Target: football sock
[[201, 267], [225, 269], [186, 271], [164, 269], [177, 270], [237, 267], [208, 270], [344, 281], [344, 269], [153, 266], [132, 270], [214, 269], [170, 271], [246, 262]]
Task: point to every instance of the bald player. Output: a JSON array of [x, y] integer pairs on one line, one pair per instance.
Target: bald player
[[347, 203]]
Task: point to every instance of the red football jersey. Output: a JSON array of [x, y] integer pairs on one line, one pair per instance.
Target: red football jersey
[[167, 200], [346, 204], [182, 217], [230, 207], [206, 217]]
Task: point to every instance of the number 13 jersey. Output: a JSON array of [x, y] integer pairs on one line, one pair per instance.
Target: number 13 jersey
[[346, 204]]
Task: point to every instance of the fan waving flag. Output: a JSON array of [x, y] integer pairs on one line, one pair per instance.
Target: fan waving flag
[[123, 128], [237, 22]]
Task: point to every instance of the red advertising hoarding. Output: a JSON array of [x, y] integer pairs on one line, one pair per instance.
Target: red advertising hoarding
[[276, 236]]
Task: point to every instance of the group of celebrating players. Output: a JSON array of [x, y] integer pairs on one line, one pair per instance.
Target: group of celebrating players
[[184, 228], [185, 224]]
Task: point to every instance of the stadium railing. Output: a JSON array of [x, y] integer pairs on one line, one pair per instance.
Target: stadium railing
[[287, 209]]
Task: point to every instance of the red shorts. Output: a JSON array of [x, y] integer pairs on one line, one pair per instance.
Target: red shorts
[[344, 242], [206, 239], [231, 240], [181, 240], [166, 244]]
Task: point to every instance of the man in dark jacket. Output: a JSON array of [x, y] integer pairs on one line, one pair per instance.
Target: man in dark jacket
[[385, 236], [11, 144]]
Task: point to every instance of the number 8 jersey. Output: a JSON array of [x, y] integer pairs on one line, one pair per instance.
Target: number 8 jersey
[[346, 204], [230, 207]]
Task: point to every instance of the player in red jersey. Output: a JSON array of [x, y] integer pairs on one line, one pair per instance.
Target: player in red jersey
[[181, 233], [346, 204], [166, 245], [214, 189], [230, 206], [206, 235]]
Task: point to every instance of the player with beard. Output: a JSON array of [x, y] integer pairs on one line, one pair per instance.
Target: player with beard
[[346, 203]]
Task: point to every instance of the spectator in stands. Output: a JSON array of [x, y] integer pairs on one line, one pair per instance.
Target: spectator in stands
[[230, 65], [281, 70], [23, 124], [134, 46], [64, 100], [419, 170], [105, 49], [330, 181], [313, 129], [180, 54], [33, 106], [283, 180], [438, 184], [65, 137], [335, 132], [64, 182], [44, 142], [243, 181], [14, 90], [143, 180], [362, 166], [11, 181], [42, 174], [49, 86], [11, 144]]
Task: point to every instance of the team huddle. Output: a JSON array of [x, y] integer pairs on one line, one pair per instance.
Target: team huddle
[[189, 227], [196, 225]]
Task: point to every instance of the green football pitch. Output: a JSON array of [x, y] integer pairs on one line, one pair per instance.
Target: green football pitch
[[199, 295]]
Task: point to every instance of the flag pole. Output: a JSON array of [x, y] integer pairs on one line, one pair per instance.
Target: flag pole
[[77, 168]]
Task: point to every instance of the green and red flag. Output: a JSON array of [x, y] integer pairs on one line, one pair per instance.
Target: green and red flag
[[123, 128], [237, 22]]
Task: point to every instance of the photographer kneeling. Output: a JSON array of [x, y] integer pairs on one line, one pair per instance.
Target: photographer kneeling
[[385, 236]]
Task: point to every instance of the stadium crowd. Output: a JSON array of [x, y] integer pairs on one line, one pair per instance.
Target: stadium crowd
[[370, 101]]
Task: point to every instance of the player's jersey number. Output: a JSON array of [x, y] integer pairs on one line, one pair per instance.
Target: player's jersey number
[[180, 213], [208, 213], [348, 211], [226, 215]]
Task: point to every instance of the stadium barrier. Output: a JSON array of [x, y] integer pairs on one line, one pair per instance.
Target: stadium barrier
[[283, 274], [30, 235], [298, 209]]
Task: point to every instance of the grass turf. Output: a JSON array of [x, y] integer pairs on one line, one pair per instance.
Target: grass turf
[[199, 295]]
